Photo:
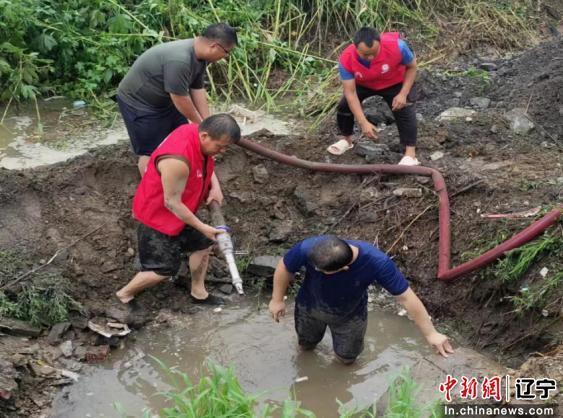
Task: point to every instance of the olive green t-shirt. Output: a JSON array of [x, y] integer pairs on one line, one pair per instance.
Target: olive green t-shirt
[[171, 67]]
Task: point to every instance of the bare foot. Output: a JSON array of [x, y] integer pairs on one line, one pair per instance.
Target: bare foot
[[123, 298]]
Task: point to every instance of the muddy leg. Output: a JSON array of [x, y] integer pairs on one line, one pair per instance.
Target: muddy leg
[[141, 281], [198, 263]]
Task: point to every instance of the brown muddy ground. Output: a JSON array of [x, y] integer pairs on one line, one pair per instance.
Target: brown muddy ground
[[487, 167]]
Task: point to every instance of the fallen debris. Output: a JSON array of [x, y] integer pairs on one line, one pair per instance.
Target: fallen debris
[[513, 215], [109, 330]]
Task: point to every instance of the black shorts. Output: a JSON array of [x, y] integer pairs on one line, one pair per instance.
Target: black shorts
[[148, 129], [347, 332], [163, 253]]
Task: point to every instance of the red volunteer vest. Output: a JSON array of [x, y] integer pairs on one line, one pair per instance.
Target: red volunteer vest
[[148, 203], [385, 69]]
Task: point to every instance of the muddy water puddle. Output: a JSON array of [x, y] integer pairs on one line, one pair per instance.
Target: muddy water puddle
[[62, 132], [264, 356]]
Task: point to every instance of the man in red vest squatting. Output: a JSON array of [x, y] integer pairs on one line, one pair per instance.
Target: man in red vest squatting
[[178, 179], [382, 65]]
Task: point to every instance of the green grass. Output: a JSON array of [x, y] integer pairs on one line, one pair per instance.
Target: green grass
[[11, 265], [218, 394], [516, 262], [44, 301], [287, 52], [481, 76], [539, 295], [515, 273], [402, 399]]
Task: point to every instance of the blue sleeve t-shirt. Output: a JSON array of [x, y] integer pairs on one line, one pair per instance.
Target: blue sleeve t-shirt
[[406, 53], [344, 292]]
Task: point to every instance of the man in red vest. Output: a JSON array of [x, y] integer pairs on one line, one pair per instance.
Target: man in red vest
[[178, 179], [382, 65]]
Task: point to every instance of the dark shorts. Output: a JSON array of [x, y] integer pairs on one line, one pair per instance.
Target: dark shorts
[[347, 333], [148, 129], [163, 253]]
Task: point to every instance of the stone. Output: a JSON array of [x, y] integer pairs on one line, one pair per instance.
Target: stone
[[30, 349], [281, 231], [436, 155], [66, 348], [378, 112], [419, 117], [8, 384], [368, 194], [134, 317], [97, 354], [458, 94], [455, 113], [480, 102], [263, 265], [57, 331], [488, 66], [422, 179], [18, 328], [242, 197], [260, 174], [227, 289], [41, 369], [80, 352], [494, 129], [306, 200], [369, 150], [408, 192], [519, 121], [78, 321]]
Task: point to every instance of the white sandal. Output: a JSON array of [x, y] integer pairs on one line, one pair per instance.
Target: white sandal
[[340, 147], [407, 160]]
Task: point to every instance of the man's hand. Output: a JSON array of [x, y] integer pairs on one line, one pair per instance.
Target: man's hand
[[399, 101], [210, 232], [440, 343], [368, 130], [277, 309], [215, 193]]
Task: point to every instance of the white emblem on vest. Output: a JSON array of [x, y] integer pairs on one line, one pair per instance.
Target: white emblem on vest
[[359, 75], [198, 173], [384, 68]]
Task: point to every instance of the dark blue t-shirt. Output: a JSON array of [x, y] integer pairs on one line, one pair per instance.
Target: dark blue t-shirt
[[344, 292]]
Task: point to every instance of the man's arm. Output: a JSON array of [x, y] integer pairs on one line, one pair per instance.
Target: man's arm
[[349, 88], [174, 174], [199, 99], [215, 192], [281, 281], [400, 100], [418, 313], [186, 107]]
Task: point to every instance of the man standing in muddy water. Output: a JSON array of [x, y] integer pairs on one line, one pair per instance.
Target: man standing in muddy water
[[165, 87], [377, 65], [334, 294], [178, 179]]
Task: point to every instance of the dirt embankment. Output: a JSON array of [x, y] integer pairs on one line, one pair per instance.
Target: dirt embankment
[[487, 166]]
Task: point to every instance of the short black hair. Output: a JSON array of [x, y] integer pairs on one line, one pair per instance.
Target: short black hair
[[367, 35], [221, 32], [330, 253], [220, 125]]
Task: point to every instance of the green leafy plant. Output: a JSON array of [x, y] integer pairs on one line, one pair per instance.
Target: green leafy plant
[[43, 302], [287, 53], [219, 394]]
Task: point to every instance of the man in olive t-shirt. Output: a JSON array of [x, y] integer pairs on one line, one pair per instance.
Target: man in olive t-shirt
[[165, 87]]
